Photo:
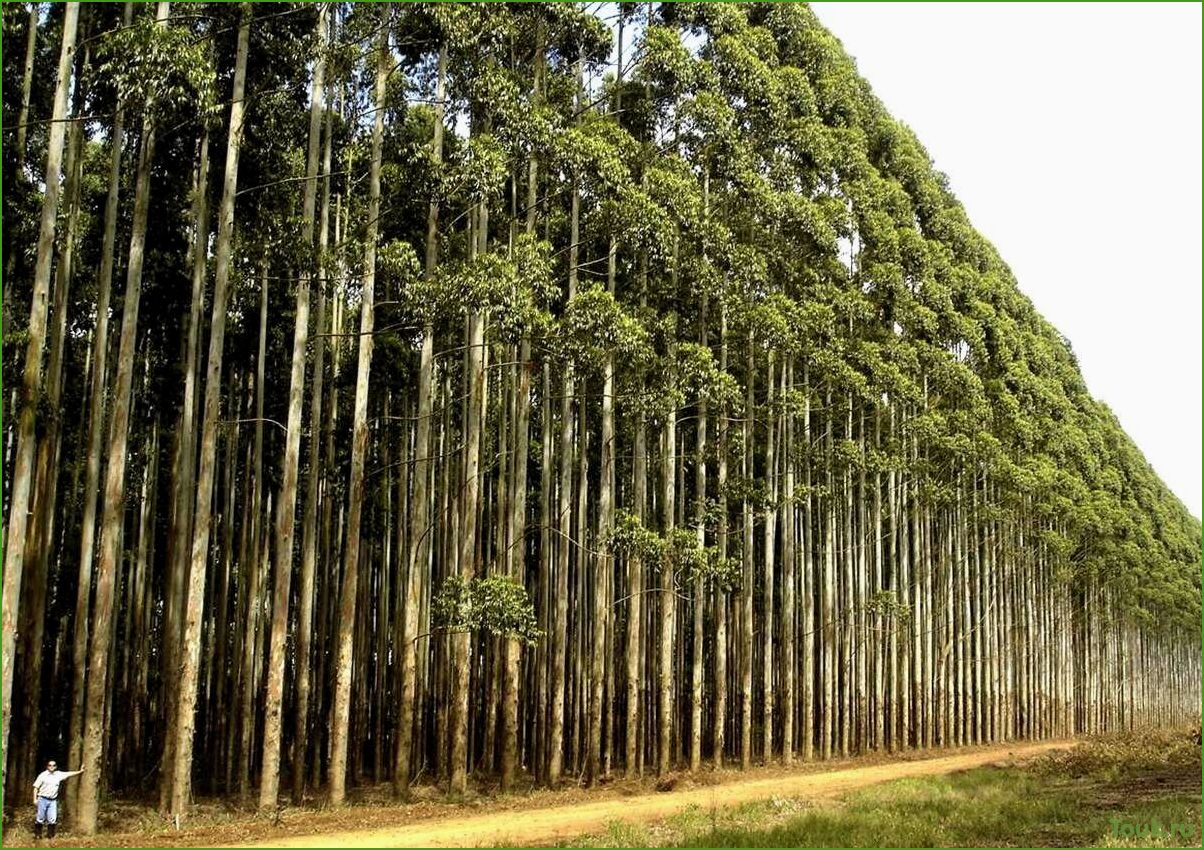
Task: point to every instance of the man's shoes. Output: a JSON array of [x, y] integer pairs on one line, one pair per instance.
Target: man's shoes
[[37, 830], [50, 830]]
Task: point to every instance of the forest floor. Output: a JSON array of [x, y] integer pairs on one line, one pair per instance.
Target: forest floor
[[553, 825], [531, 818]]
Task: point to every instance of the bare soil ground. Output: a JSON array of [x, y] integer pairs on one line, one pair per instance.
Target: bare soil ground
[[540, 826], [538, 817]]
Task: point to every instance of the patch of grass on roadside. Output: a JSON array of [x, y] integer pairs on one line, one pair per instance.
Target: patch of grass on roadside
[[1140, 790], [984, 807]]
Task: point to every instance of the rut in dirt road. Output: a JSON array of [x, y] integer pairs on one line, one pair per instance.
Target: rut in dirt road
[[543, 826]]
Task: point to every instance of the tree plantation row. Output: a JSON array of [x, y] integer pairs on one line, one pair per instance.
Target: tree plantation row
[[530, 393]]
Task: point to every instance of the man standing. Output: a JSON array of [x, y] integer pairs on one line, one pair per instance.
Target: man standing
[[46, 796]]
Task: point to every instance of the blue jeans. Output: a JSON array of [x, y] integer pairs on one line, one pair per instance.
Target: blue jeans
[[48, 810]]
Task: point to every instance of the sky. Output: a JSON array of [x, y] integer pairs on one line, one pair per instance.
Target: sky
[[1071, 134]]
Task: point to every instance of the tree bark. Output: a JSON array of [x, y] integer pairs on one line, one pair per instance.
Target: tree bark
[[31, 378], [112, 525], [194, 600], [31, 42], [96, 420], [340, 723], [269, 784]]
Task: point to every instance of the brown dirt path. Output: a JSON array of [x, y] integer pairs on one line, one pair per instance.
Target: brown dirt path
[[534, 827]]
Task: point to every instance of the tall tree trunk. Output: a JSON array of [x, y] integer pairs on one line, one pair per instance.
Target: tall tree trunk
[[720, 592], [827, 610], [746, 586], [112, 525], [602, 560], [45, 496], [340, 722], [194, 601], [269, 784], [31, 42], [560, 627], [309, 539], [789, 535], [31, 378], [699, 590], [516, 555], [771, 520], [96, 420], [668, 593], [418, 557], [184, 473], [808, 582], [257, 563]]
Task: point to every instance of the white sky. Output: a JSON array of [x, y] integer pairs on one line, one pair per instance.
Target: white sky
[[1071, 132]]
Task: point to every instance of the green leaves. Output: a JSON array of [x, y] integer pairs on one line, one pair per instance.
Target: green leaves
[[887, 604], [699, 376], [158, 67], [496, 605], [509, 288], [667, 67], [478, 171], [679, 552], [595, 326], [629, 537]]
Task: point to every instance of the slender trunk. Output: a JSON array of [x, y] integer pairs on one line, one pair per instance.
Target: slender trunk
[[668, 592], [746, 586], [720, 592], [286, 509], [827, 612], [96, 419], [700, 491], [257, 564], [461, 641], [340, 722], [880, 623], [788, 568], [194, 605], [46, 477], [560, 627], [256, 568], [31, 379], [539, 758], [808, 582], [184, 472], [420, 545], [112, 524], [309, 539], [516, 554], [31, 41], [602, 560], [635, 577], [771, 520]]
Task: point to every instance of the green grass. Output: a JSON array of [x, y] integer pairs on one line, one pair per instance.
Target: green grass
[[985, 807], [1101, 793]]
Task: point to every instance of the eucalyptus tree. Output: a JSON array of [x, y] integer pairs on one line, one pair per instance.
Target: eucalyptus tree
[[359, 430], [190, 646], [31, 377], [162, 53], [270, 781], [97, 392]]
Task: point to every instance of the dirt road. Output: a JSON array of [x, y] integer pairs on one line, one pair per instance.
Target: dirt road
[[533, 827]]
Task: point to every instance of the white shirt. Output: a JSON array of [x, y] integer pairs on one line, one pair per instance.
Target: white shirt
[[47, 783]]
